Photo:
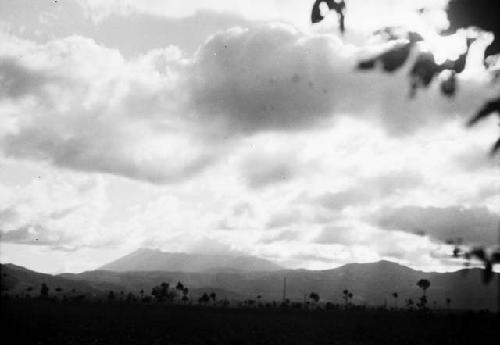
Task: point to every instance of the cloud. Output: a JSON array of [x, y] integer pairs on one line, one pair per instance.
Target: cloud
[[284, 219], [212, 246], [34, 235], [56, 210], [473, 225], [369, 189], [282, 236], [8, 215], [362, 15], [132, 32], [264, 169], [164, 118], [347, 235], [342, 199], [275, 77], [83, 98], [17, 80]]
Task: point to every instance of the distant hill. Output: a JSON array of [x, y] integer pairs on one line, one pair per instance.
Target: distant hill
[[21, 281], [371, 284], [156, 260]]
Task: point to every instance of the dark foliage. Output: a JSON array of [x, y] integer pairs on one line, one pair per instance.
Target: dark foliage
[[334, 5], [55, 323]]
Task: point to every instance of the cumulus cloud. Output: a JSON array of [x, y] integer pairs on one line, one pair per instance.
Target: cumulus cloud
[[266, 129], [473, 225], [275, 77], [163, 117], [82, 106]]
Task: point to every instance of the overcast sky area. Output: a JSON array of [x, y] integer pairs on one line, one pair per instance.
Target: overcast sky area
[[234, 127]]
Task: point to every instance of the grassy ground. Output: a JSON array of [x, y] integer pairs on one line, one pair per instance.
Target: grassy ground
[[51, 323]]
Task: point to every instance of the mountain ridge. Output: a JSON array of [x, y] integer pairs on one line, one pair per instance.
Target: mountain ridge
[[145, 259], [370, 283]]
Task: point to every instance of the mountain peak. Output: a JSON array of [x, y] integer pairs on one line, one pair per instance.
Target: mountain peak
[[146, 259]]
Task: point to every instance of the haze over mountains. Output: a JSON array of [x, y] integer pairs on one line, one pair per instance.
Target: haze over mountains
[[238, 278], [156, 260]]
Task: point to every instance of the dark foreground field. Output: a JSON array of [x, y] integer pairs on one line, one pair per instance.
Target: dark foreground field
[[51, 323]]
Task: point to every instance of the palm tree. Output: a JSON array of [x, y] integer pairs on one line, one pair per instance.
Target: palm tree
[[395, 295], [213, 297], [424, 284]]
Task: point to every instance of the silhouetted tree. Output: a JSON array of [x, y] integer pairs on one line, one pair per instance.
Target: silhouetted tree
[[395, 296], [409, 303], [130, 297], [161, 292], [314, 297], [488, 257], [204, 299], [213, 297], [44, 291], [347, 296], [424, 284], [111, 296], [179, 287], [422, 302], [337, 6], [491, 107], [185, 295]]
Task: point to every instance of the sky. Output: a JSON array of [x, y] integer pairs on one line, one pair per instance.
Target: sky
[[235, 127]]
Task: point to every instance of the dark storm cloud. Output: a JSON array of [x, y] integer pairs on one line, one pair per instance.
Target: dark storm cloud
[[473, 225]]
